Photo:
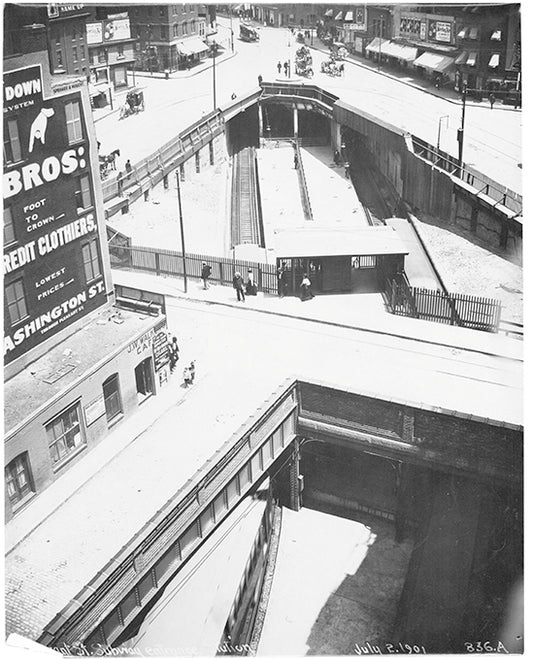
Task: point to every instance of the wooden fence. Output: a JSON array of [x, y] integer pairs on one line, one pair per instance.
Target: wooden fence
[[451, 308], [167, 262]]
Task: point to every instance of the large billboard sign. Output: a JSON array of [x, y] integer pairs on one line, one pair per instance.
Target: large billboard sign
[[53, 270], [115, 29], [440, 31]]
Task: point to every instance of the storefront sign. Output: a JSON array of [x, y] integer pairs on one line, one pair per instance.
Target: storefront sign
[[49, 195], [143, 343], [94, 410], [161, 352], [423, 31], [439, 31], [410, 26]]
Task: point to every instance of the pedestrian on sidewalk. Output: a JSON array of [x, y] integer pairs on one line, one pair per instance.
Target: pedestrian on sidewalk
[[295, 160], [282, 279], [341, 68], [174, 353], [192, 371], [337, 157], [286, 68], [260, 79], [251, 288], [206, 273], [186, 377], [238, 285], [305, 289], [279, 68], [492, 98], [347, 169], [128, 168]]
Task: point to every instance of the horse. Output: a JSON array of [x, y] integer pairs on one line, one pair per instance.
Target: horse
[[110, 159]]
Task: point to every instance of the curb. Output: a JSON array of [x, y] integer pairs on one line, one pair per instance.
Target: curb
[[331, 323], [185, 76], [351, 60]]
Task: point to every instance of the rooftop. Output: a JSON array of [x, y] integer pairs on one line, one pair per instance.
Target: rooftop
[[62, 366]]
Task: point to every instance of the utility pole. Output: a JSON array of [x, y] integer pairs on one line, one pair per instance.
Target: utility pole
[[182, 233], [213, 51], [461, 131]]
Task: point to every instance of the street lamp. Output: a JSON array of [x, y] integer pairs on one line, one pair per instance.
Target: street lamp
[[182, 232], [440, 122], [460, 131], [213, 51]]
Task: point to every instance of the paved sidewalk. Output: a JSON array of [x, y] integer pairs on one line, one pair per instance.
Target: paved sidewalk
[[406, 78], [362, 311]]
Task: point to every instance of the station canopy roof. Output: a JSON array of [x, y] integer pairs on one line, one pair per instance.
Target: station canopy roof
[[434, 62], [316, 241]]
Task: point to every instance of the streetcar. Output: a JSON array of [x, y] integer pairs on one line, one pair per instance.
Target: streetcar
[[248, 32]]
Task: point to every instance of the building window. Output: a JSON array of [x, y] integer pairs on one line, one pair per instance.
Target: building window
[[73, 119], [164, 32], [65, 434], [82, 52], [9, 229], [74, 33], [101, 55], [90, 260], [59, 58], [176, 30], [83, 193], [120, 50], [197, 161], [113, 405], [12, 150], [18, 479], [75, 53], [184, 28], [16, 301], [161, 11]]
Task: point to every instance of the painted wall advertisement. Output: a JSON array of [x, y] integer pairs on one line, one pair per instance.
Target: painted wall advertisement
[[110, 30], [439, 31], [52, 260]]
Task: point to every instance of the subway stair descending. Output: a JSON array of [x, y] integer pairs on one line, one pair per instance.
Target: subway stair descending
[[245, 224]]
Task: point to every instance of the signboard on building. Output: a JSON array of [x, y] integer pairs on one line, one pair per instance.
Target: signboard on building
[[161, 352], [440, 31], [110, 30], [359, 20], [56, 10], [53, 270], [410, 27], [94, 410]]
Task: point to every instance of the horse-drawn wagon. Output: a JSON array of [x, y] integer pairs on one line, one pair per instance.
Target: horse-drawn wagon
[[134, 103], [303, 62]]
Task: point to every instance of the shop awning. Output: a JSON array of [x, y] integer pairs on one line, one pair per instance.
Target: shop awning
[[374, 45], [349, 16], [182, 50], [462, 33], [496, 35], [434, 62], [462, 58], [338, 17], [196, 45], [406, 53], [329, 12], [314, 242], [494, 60], [472, 57]]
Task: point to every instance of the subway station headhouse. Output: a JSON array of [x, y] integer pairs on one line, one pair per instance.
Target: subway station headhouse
[[74, 364]]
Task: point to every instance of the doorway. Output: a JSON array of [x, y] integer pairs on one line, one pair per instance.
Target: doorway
[[144, 379]]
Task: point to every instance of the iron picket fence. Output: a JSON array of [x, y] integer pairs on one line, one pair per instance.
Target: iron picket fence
[[168, 262], [470, 311]]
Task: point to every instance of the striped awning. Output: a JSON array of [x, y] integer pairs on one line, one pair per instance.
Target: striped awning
[[494, 61], [196, 45], [182, 50], [338, 17], [349, 16], [434, 62], [376, 45], [462, 58]]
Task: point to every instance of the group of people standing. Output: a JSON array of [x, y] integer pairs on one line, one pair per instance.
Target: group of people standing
[[285, 66], [242, 289], [283, 283], [189, 371]]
